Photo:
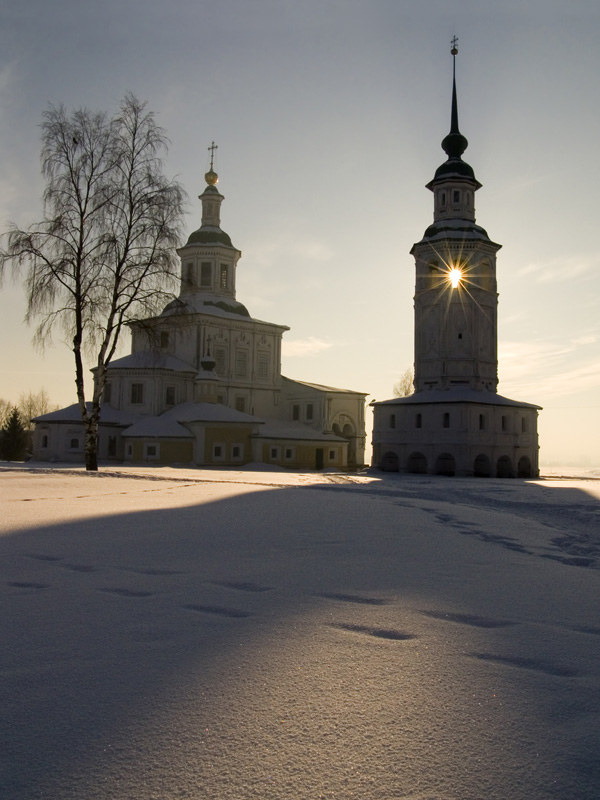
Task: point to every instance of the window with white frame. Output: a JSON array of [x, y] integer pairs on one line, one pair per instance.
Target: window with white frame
[[289, 453], [241, 363], [218, 452], [310, 412], [137, 393], [240, 404], [274, 453], [333, 455], [224, 283], [296, 411], [129, 450], [189, 273], [262, 365], [107, 392], [220, 359], [151, 450], [237, 452], [205, 274]]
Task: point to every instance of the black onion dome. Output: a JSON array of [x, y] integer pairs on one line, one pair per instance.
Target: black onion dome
[[208, 363], [455, 167], [209, 235], [454, 144]]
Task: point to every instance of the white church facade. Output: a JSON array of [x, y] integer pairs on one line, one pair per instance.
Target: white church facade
[[203, 383], [455, 422]]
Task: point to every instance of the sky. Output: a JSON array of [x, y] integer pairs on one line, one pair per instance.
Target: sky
[[329, 117]]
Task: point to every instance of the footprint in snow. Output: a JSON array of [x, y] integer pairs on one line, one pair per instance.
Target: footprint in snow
[[377, 633]]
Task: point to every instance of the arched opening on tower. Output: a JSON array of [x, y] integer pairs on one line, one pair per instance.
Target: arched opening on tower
[[417, 464], [524, 467], [504, 467], [389, 462], [482, 467], [445, 465]]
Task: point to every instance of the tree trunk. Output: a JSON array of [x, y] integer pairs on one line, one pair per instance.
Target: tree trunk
[[91, 443]]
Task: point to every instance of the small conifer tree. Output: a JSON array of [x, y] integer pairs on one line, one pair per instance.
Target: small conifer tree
[[13, 442]]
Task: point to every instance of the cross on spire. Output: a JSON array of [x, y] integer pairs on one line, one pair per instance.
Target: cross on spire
[[212, 149], [454, 43]]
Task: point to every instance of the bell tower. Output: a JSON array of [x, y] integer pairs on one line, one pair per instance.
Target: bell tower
[[456, 298], [455, 422]]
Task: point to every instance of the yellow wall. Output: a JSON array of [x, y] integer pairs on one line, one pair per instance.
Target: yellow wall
[[227, 437], [304, 455], [171, 451]]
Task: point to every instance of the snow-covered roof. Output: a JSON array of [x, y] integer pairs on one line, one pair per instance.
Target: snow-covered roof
[[215, 306], [108, 415], [158, 427], [282, 429], [150, 359], [169, 424], [456, 394], [208, 412], [320, 388]]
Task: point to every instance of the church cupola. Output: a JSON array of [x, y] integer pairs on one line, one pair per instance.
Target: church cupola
[[210, 231], [208, 258]]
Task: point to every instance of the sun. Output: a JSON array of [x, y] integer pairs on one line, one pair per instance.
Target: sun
[[455, 276]]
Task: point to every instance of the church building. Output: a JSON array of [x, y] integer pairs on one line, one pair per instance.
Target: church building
[[203, 383], [455, 422]]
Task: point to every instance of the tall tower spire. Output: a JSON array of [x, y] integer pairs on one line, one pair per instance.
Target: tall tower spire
[[455, 298], [454, 144]]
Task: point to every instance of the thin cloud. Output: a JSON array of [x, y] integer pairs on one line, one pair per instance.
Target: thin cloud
[[301, 348], [543, 368], [562, 269]]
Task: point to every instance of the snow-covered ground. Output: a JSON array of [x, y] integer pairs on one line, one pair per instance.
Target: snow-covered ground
[[252, 634]]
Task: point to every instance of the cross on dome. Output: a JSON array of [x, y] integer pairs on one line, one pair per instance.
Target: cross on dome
[[211, 176]]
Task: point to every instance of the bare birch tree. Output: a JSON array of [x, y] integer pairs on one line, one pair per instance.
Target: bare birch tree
[[103, 254], [34, 404], [405, 384]]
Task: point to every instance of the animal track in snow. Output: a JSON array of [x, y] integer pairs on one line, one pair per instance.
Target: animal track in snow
[[128, 592], [233, 613], [469, 619], [28, 585], [378, 633], [528, 663], [41, 557], [243, 586], [156, 572], [80, 567], [353, 598]]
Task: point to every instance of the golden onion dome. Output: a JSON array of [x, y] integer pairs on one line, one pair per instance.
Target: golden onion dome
[[211, 177]]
